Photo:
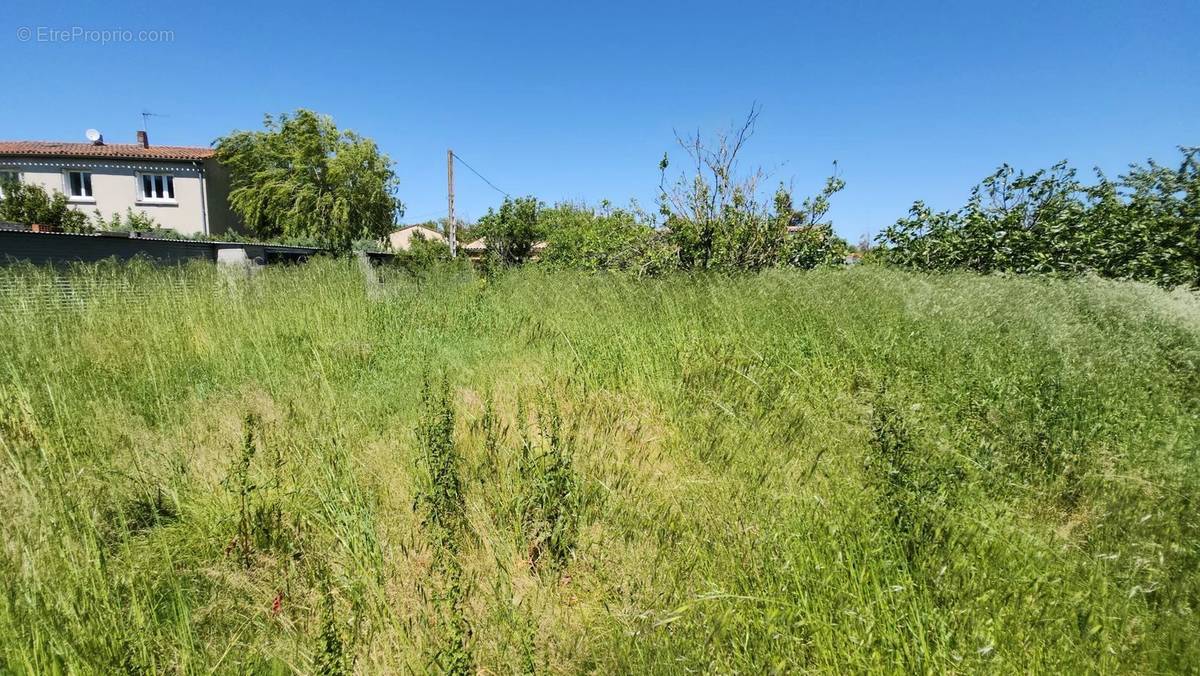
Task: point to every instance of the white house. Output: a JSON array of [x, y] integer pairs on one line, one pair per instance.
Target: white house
[[180, 187]]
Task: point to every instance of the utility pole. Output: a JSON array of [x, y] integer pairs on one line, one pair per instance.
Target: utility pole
[[451, 227]]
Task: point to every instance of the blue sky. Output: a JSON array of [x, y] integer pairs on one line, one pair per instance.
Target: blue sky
[[578, 101]]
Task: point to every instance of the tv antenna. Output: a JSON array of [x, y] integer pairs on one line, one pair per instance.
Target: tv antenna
[[146, 115]]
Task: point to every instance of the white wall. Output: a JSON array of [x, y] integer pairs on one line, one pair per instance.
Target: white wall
[[115, 187]]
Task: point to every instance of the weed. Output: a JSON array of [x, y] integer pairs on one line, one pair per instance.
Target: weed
[[442, 500], [453, 654], [244, 488], [260, 519], [916, 492], [334, 656], [491, 437], [550, 502], [442, 497]]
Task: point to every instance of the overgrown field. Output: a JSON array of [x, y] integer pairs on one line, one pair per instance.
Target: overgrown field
[[831, 471]]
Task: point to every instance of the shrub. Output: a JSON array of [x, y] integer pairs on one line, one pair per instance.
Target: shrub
[[1145, 225], [595, 239], [718, 220], [423, 254], [513, 230], [810, 240], [31, 204], [132, 221]]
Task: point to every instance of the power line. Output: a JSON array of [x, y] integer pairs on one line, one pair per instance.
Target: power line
[[493, 185]]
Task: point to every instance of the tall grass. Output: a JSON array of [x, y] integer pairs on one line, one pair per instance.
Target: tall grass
[[829, 471]]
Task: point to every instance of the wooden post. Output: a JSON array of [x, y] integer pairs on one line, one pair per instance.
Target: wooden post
[[451, 226]]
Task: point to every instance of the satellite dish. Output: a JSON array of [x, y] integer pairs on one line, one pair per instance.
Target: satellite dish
[[93, 135]]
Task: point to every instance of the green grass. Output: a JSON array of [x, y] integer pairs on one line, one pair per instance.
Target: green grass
[[834, 471]]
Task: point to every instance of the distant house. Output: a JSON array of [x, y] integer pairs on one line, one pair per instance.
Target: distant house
[[401, 239], [478, 249], [180, 187]]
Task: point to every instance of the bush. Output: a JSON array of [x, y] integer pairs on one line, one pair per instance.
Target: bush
[[512, 231], [423, 255], [595, 239], [132, 221], [811, 241], [1145, 225], [717, 220], [31, 204]]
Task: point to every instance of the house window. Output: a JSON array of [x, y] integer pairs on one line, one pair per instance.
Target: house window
[[79, 184], [8, 178], [156, 188]]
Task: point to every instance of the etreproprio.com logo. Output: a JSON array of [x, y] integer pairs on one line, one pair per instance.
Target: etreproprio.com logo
[[100, 36]]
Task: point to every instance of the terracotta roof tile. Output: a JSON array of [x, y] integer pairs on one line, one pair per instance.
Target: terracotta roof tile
[[130, 151]]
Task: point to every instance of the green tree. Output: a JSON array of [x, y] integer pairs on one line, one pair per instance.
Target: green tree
[[302, 177], [31, 204], [512, 231], [604, 238]]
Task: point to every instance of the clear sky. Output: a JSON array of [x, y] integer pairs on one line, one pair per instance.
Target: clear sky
[[578, 101]]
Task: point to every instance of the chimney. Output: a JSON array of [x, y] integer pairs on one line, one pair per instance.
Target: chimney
[[143, 139]]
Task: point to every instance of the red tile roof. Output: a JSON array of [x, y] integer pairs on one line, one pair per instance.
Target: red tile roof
[[131, 151]]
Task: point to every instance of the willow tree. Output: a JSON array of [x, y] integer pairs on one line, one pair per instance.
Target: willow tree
[[303, 178]]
